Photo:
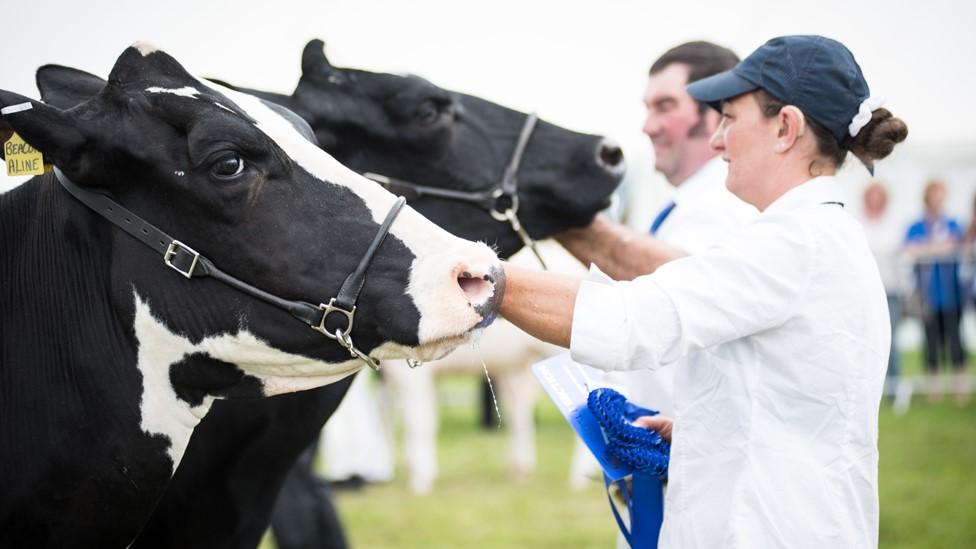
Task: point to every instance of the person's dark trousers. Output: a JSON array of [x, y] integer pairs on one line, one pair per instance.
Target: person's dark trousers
[[942, 332], [303, 516]]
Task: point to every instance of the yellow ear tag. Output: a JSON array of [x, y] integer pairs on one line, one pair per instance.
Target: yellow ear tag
[[21, 158]]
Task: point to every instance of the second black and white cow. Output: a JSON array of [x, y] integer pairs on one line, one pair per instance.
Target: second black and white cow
[[422, 135], [109, 358]]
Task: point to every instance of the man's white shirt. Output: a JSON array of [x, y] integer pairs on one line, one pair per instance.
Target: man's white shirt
[[705, 213]]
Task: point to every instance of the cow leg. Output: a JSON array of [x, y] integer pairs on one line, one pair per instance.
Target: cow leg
[[517, 394], [223, 492], [417, 396], [304, 516], [584, 470], [355, 444]]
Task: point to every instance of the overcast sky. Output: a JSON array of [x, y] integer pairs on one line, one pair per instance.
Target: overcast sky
[[579, 64]]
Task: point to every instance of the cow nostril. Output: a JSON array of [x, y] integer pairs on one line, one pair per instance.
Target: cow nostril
[[609, 155], [477, 290]]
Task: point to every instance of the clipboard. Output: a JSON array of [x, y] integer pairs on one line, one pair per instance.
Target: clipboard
[[569, 383]]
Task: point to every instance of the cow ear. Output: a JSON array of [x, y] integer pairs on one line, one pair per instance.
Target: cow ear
[[65, 87], [313, 58], [46, 128]]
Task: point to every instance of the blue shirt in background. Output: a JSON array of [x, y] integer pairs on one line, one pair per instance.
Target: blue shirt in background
[[937, 277]]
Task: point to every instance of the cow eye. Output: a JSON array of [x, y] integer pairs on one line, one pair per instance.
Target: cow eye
[[427, 113], [227, 167]]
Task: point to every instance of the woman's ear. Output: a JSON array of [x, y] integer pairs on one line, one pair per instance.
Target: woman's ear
[[792, 126]]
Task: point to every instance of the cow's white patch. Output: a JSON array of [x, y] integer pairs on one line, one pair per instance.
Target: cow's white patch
[[145, 48], [185, 91], [163, 413], [179, 173], [444, 310]]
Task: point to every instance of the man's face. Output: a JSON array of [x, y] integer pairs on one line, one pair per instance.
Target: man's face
[[678, 131]]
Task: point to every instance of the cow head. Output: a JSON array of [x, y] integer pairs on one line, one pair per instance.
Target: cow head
[[407, 128], [236, 179]]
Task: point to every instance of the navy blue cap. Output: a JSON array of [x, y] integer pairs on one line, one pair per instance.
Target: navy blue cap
[[816, 74]]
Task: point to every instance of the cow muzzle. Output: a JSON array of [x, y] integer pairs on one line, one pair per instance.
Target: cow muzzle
[[482, 287]]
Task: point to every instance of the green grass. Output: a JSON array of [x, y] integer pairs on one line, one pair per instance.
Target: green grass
[[928, 495], [926, 472], [475, 502]]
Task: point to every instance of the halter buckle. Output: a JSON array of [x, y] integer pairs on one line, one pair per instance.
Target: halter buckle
[[332, 308], [174, 248]]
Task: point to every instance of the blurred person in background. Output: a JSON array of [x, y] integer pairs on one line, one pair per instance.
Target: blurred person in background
[[701, 211], [934, 243], [885, 238]]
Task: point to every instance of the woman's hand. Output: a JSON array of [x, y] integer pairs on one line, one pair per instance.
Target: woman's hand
[[660, 424]]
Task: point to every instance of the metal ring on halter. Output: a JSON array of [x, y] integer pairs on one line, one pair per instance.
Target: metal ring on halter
[[500, 215], [329, 309]]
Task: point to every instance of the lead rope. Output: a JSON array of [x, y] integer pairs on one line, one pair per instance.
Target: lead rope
[[526, 239], [641, 449]]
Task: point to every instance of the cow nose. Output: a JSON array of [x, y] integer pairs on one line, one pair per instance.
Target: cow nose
[[482, 287], [610, 156]]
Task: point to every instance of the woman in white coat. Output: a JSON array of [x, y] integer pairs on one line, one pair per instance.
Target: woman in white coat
[[785, 325]]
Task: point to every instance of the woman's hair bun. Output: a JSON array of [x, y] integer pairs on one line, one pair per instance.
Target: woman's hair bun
[[878, 137]]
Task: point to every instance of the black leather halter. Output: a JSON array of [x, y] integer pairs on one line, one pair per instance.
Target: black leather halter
[[501, 201], [191, 264]]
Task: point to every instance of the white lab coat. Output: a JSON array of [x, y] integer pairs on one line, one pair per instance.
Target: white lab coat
[[785, 330], [705, 214]]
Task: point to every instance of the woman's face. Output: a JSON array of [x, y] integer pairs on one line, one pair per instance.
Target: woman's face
[[747, 141]]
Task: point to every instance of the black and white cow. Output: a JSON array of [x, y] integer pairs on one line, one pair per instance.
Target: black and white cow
[[403, 127], [399, 126], [109, 359]]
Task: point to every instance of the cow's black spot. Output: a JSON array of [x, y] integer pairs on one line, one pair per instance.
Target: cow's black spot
[[199, 375]]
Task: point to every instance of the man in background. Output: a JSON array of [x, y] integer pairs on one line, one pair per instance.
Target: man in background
[[701, 211]]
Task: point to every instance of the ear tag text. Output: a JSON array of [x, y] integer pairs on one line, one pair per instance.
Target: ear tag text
[[21, 158]]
